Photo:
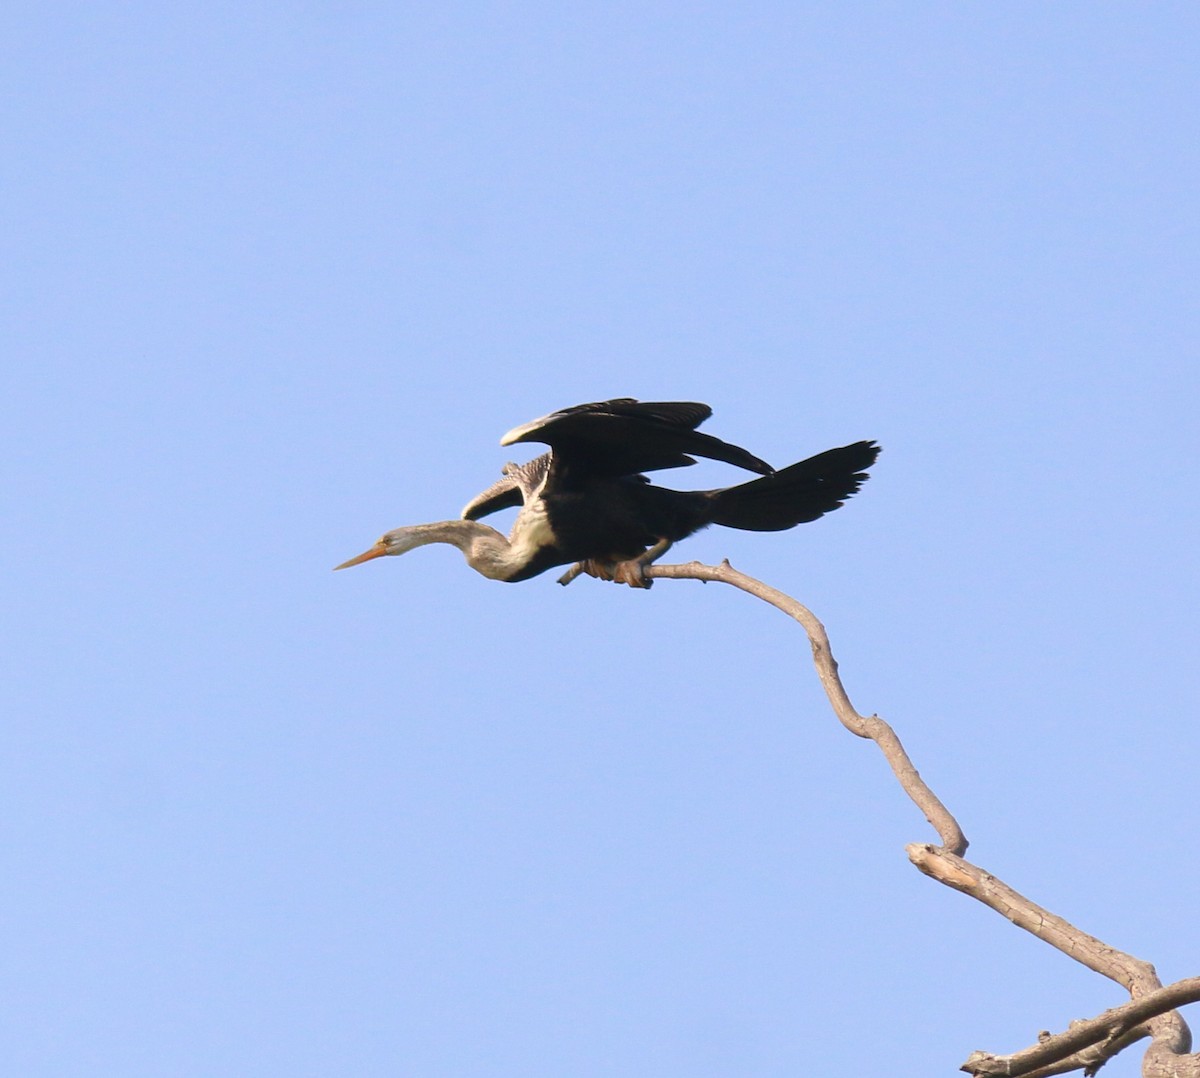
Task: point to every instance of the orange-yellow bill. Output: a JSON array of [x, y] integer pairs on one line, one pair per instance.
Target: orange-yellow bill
[[377, 551]]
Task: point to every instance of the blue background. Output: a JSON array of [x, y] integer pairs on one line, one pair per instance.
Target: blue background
[[277, 278]]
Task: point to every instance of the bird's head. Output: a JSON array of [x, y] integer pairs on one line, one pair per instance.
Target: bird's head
[[486, 550], [397, 541]]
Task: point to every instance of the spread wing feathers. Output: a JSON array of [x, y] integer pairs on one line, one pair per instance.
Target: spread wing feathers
[[625, 436], [515, 488]]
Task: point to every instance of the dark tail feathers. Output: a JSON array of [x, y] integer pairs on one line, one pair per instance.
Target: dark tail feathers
[[798, 494]]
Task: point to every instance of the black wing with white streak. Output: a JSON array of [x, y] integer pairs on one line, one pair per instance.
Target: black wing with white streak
[[624, 437]]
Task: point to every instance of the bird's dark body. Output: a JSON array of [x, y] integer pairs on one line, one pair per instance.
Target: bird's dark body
[[616, 519], [613, 520], [587, 500]]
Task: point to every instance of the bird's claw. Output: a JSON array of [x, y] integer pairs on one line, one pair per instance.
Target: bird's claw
[[633, 573], [601, 570]]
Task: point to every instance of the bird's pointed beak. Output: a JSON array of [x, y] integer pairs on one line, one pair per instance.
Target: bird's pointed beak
[[377, 551]]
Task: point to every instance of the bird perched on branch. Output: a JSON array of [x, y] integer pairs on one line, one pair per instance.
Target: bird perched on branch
[[587, 501]]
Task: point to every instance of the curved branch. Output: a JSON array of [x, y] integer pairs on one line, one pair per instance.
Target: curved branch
[[867, 726], [1086, 1045], [1119, 1022]]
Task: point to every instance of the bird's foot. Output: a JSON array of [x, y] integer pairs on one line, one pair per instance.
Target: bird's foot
[[632, 572], [601, 570]]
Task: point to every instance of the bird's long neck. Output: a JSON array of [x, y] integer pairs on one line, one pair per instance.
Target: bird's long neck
[[486, 550]]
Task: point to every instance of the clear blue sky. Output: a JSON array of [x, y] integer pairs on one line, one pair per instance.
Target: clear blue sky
[[277, 278]]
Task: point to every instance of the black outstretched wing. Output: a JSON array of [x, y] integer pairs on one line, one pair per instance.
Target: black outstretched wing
[[625, 437]]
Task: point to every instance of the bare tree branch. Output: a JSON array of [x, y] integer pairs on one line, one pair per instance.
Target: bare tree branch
[[1087, 1045], [1119, 1022], [867, 726]]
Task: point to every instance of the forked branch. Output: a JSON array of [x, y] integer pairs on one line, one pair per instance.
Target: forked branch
[[1087, 1045]]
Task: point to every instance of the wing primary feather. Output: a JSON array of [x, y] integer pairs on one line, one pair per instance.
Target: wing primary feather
[[623, 436]]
